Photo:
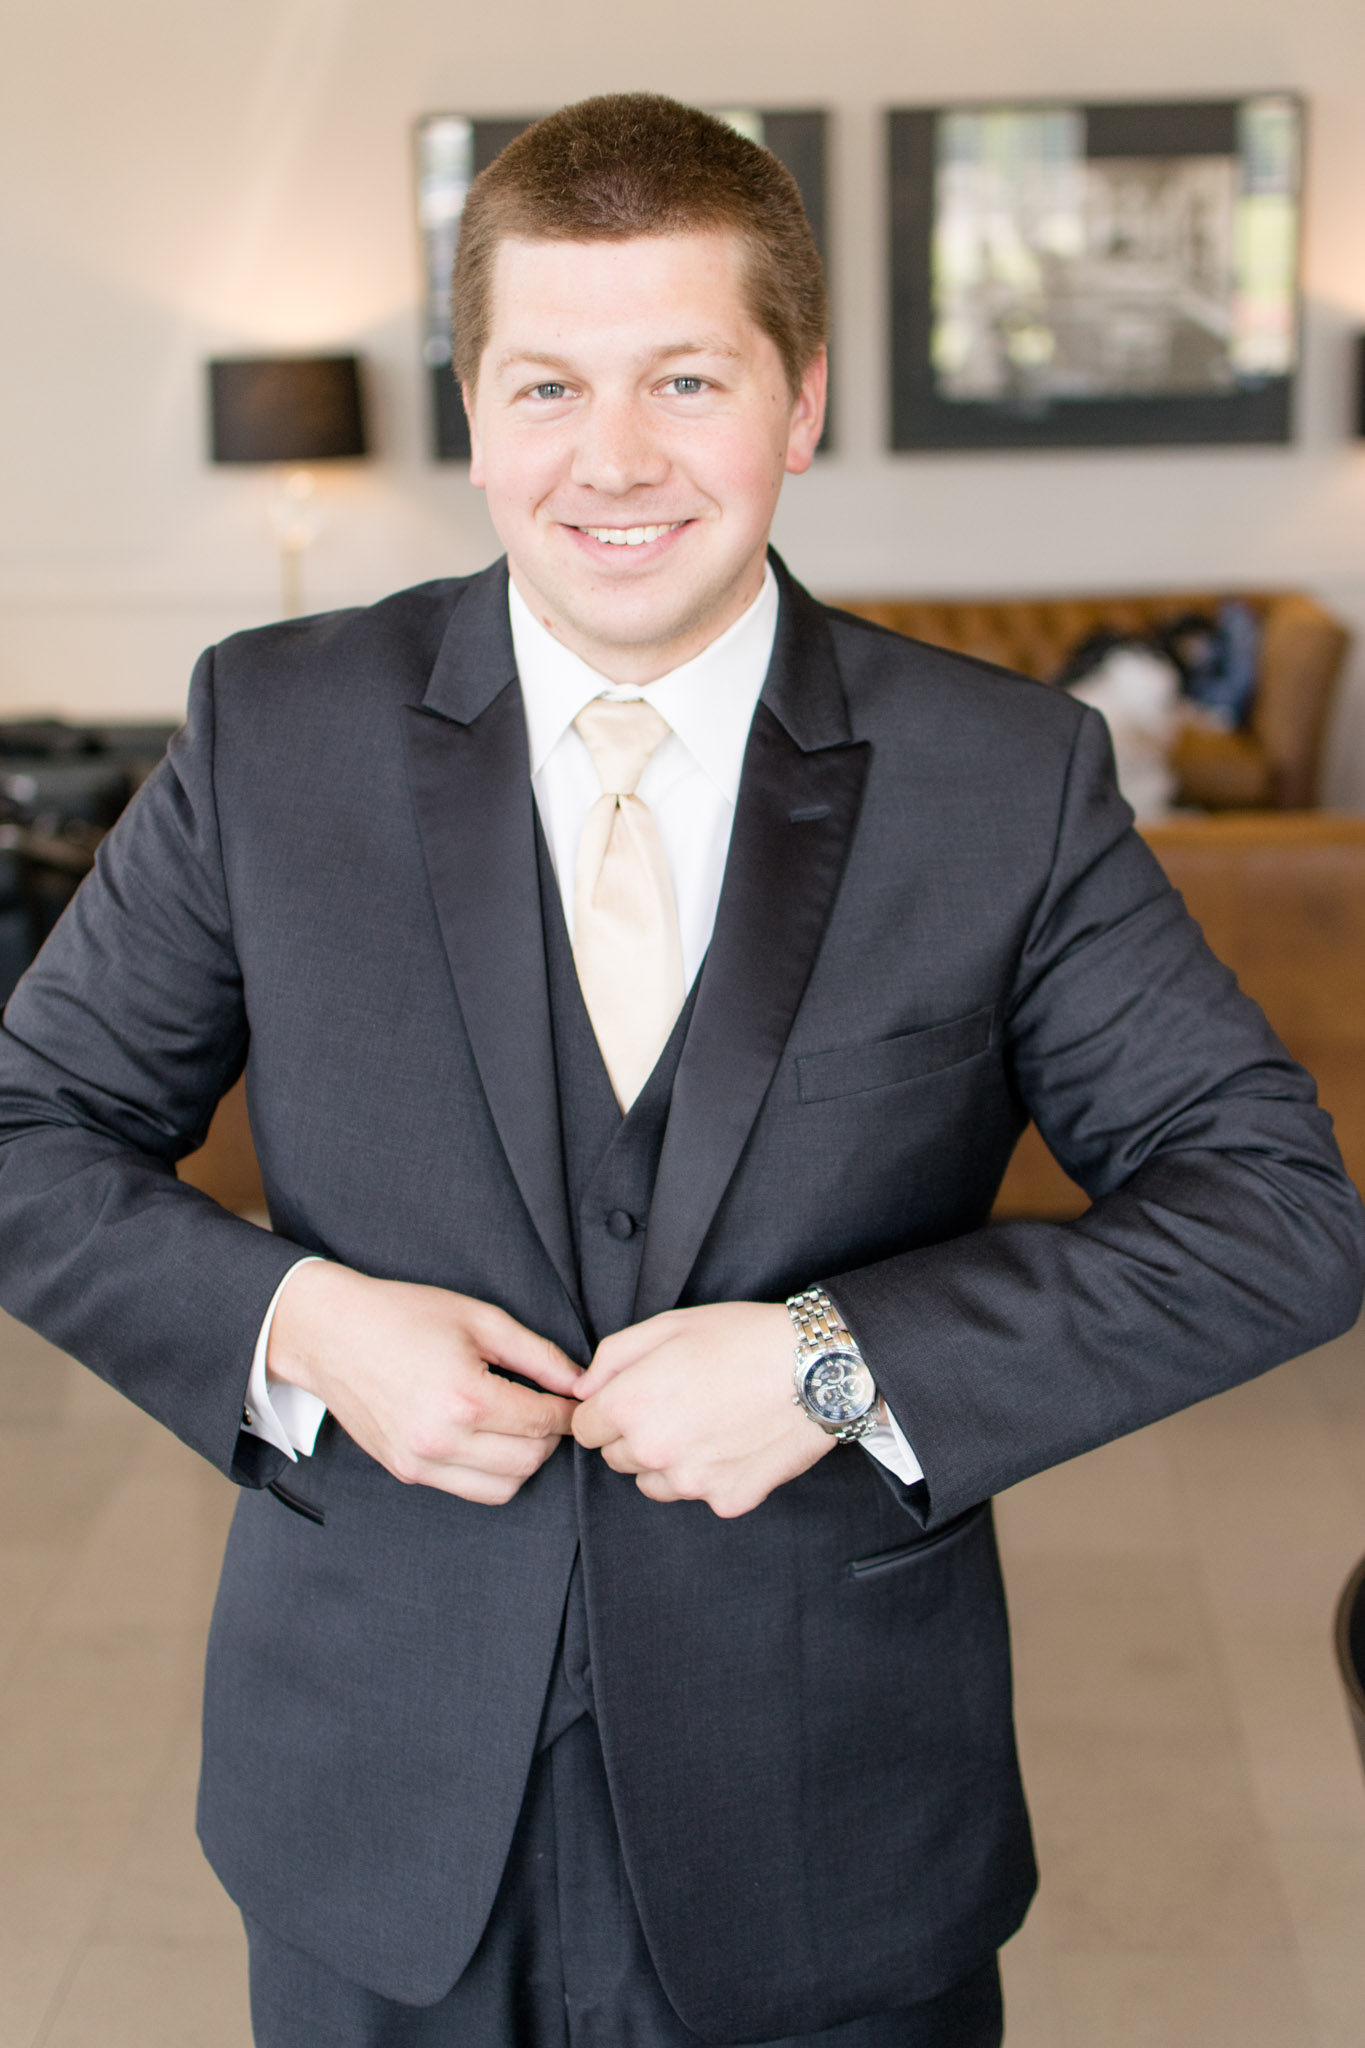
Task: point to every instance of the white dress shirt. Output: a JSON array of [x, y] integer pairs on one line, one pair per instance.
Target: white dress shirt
[[691, 783]]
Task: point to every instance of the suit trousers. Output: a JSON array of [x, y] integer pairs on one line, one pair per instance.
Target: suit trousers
[[563, 1961]]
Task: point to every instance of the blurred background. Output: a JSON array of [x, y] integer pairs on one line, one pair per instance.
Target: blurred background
[[181, 184]]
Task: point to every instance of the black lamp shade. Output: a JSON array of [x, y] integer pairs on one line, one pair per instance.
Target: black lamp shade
[[286, 408]]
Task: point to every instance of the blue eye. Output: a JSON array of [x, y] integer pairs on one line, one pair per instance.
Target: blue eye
[[549, 390], [685, 386]]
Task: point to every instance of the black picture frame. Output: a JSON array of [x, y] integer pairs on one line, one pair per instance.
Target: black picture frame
[[926, 415], [451, 150]]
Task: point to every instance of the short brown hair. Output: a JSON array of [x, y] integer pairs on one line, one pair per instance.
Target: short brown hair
[[628, 164]]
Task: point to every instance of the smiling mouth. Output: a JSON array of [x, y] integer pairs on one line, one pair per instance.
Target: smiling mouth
[[630, 536]]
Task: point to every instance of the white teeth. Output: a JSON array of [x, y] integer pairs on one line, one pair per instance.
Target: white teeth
[[629, 536]]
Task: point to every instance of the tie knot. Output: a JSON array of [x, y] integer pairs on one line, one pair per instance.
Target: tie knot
[[620, 736]]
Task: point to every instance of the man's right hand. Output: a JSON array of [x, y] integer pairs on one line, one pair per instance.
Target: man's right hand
[[406, 1372]]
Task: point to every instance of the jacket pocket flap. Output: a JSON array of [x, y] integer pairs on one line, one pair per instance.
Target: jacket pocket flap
[[296, 1503], [909, 1057], [911, 1553]]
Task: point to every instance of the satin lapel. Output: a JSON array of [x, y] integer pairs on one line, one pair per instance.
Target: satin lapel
[[794, 821], [467, 766]]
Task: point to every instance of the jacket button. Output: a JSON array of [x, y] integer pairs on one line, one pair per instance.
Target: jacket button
[[621, 1224]]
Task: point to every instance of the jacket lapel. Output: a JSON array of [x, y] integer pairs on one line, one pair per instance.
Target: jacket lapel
[[467, 765], [798, 804]]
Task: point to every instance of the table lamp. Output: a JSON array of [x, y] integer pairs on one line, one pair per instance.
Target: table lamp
[[289, 410]]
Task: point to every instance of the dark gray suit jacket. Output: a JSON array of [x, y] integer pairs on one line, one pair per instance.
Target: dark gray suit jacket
[[935, 921]]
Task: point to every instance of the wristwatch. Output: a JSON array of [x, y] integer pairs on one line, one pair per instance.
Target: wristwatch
[[832, 1381]]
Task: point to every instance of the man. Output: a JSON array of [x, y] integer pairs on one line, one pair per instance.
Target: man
[[618, 944]]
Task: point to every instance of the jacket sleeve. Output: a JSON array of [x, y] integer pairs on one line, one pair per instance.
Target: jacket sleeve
[[1224, 1235], [114, 1051]]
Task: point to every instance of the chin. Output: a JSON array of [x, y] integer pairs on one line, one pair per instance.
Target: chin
[[634, 625]]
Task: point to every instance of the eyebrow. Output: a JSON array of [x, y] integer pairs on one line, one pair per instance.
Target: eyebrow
[[704, 345]]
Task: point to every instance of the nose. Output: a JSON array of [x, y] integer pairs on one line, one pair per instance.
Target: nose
[[616, 452]]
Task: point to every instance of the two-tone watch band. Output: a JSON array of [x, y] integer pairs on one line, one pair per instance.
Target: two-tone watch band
[[819, 1325], [822, 1334]]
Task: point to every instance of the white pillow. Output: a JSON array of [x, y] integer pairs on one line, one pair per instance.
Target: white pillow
[[1137, 691]]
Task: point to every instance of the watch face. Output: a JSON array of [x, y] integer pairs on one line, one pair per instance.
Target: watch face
[[838, 1387]]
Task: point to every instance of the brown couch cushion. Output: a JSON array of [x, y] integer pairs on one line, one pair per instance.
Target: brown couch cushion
[[1281, 899], [1276, 761]]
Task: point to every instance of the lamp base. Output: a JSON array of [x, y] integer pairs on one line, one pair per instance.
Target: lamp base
[[296, 521]]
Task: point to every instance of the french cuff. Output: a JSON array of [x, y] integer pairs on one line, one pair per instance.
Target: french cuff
[[887, 1443], [281, 1414]]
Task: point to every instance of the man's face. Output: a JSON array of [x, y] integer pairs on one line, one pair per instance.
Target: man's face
[[632, 427]]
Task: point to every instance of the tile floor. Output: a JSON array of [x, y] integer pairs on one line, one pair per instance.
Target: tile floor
[[1199, 1805]]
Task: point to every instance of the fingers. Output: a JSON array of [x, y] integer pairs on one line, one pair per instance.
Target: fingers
[[512, 1410], [416, 1376], [506, 1457], [598, 1432], [504, 1341], [625, 1348], [695, 1405], [618, 1454], [474, 1483], [443, 1454], [654, 1486], [498, 1426], [593, 1426]]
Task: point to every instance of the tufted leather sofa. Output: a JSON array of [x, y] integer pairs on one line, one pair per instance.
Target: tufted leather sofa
[[1272, 763], [1281, 898]]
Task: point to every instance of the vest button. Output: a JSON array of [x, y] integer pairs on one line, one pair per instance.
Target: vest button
[[621, 1224]]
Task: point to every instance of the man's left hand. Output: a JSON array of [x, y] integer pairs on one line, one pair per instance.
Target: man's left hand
[[697, 1403]]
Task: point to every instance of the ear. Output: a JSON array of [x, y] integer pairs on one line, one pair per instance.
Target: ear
[[476, 476], [807, 415]]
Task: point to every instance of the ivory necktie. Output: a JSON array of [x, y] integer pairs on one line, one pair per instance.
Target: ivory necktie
[[625, 940]]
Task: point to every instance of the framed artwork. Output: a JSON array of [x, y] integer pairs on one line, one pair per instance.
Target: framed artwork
[[452, 149], [1095, 276]]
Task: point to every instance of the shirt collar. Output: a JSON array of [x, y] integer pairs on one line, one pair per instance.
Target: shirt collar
[[709, 702]]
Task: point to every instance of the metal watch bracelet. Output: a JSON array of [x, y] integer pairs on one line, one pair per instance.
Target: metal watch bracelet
[[819, 1328]]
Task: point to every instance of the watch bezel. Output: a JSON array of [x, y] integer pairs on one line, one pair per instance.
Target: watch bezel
[[811, 1363]]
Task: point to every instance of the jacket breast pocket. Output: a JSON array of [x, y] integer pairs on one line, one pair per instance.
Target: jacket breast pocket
[[911, 1056]]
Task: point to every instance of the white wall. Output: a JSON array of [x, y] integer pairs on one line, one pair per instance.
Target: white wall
[[189, 177]]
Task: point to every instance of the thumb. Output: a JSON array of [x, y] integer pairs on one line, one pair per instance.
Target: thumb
[[504, 1341]]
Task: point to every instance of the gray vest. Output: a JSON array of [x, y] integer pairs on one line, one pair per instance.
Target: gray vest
[[610, 1162]]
